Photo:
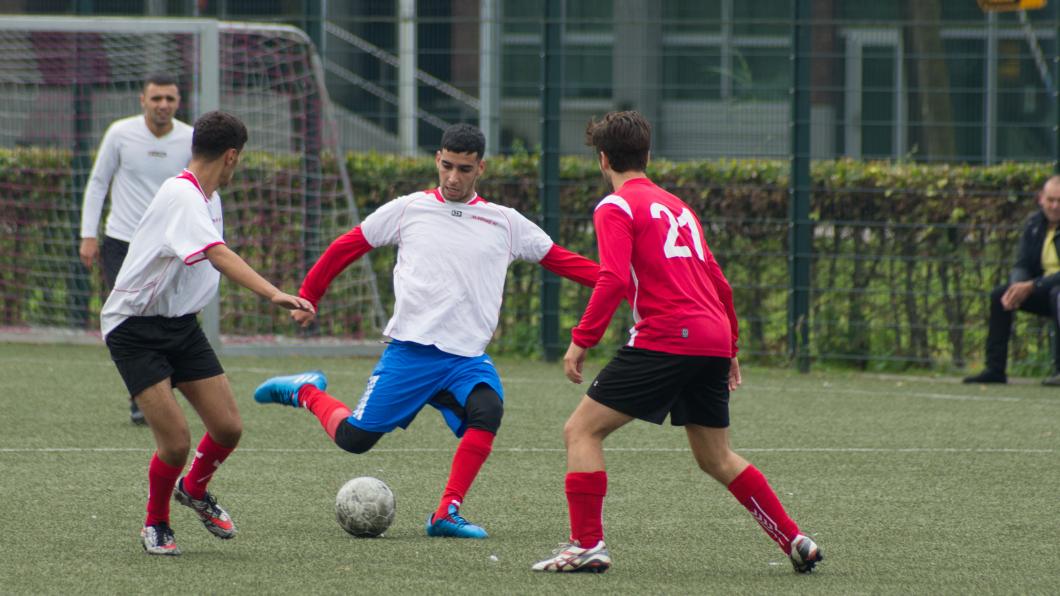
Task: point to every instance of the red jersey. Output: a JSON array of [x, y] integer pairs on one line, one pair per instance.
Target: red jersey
[[653, 254]]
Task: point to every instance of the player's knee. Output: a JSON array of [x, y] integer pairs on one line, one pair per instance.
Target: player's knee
[[573, 432], [722, 466], [229, 434], [174, 453], [355, 440], [485, 408]]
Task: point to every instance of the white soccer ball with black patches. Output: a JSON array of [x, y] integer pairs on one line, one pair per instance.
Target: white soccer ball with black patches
[[365, 507]]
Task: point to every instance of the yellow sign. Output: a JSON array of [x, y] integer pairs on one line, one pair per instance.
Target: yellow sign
[[1009, 5]]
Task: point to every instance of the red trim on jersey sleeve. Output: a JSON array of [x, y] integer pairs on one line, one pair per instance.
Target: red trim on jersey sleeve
[[191, 260], [343, 250], [614, 238], [725, 295], [571, 265]]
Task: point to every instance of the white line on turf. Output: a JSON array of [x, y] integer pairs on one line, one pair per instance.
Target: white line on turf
[[511, 380], [560, 450]]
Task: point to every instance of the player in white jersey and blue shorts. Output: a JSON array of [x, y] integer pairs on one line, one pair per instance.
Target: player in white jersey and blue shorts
[[176, 257], [454, 249]]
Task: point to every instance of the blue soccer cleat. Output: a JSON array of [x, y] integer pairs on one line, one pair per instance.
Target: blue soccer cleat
[[284, 390], [453, 526]]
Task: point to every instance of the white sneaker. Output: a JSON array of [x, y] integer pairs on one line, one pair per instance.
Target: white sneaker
[[804, 554], [571, 557], [158, 540]]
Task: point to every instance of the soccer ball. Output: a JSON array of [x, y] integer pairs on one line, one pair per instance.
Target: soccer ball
[[365, 507]]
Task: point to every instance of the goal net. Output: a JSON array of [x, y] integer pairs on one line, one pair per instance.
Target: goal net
[[64, 80]]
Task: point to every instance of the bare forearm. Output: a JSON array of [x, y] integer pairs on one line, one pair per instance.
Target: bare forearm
[[236, 269]]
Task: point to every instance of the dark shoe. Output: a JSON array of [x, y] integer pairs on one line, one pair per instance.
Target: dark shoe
[[135, 415], [987, 376], [1052, 380]]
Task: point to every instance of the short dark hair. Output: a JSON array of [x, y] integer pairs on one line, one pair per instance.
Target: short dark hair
[[464, 138], [217, 132], [624, 137], [160, 78]]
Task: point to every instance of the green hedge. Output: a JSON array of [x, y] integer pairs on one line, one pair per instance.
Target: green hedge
[[903, 254]]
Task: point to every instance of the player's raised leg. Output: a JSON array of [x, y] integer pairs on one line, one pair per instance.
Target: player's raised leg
[[306, 389], [215, 403], [172, 440], [749, 486]]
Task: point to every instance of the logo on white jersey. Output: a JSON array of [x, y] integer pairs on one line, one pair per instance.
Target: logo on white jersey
[[457, 213]]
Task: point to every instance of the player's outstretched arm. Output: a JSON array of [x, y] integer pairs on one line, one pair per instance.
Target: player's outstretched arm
[[571, 265], [340, 253], [236, 269]]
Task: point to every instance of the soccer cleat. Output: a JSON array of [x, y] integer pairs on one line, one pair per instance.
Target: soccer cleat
[[135, 415], [158, 540], [804, 554], [284, 390], [212, 515], [572, 558], [453, 526]]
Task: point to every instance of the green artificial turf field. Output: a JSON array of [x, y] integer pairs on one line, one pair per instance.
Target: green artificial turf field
[[909, 484]]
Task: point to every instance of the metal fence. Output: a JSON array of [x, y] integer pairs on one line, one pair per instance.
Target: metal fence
[[847, 269]]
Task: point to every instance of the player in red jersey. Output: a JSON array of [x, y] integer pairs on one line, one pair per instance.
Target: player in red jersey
[[680, 359]]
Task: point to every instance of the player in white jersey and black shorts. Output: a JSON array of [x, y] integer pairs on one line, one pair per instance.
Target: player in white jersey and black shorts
[[137, 154], [171, 272], [454, 249]]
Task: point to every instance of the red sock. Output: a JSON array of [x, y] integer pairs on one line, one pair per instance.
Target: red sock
[[161, 478], [328, 410], [752, 490], [208, 456], [471, 453], [585, 502]]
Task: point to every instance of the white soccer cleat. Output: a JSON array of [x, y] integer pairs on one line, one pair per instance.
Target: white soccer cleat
[[158, 540], [571, 558], [804, 554]]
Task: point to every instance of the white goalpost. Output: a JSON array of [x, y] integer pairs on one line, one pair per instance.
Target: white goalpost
[[64, 80]]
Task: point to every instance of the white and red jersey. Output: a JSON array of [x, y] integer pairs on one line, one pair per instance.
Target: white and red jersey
[[652, 252], [452, 262], [166, 272]]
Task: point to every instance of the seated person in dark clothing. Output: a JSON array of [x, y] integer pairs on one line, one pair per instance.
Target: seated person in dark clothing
[[1034, 286]]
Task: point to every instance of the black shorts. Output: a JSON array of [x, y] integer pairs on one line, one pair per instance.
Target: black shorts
[[148, 350], [649, 385], [112, 253]]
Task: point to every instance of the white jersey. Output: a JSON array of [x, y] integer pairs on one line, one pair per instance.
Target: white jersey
[[452, 262], [166, 272], [133, 163]]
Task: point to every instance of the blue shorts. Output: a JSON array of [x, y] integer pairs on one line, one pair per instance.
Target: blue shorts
[[409, 376]]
